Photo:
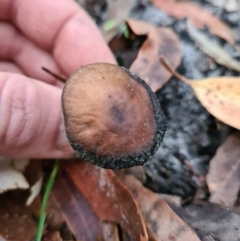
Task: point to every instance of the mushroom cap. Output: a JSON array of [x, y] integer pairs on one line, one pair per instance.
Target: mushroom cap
[[112, 117]]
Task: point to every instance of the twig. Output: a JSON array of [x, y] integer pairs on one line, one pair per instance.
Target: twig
[[54, 75], [170, 69]]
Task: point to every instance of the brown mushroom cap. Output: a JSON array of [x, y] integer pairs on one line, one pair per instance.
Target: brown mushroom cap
[[112, 117]]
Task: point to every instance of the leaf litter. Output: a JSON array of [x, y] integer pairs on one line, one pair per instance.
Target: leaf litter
[[68, 191], [209, 219], [219, 95], [107, 199], [160, 41], [164, 223], [229, 5], [212, 49], [197, 15], [223, 178]]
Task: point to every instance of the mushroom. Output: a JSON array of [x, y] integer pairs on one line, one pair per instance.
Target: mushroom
[[112, 117]]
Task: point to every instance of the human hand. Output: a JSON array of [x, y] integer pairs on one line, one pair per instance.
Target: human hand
[[57, 35]]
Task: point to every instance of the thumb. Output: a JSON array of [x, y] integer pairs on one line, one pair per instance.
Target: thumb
[[31, 123]]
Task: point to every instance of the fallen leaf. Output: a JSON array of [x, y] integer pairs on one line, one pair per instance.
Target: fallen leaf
[[209, 218], [160, 41], [165, 224], [87, 187], [223, 178], [76, 210], [219, 95], [212, 49], [229, 5], [11, 179], [197, 15]]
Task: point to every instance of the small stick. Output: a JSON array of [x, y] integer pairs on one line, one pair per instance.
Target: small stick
[[164, 62], [54, 75]]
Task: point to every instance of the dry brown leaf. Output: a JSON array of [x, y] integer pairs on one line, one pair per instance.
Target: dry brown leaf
[[227, 193], [160, 41], [81, 219], [84, 187], [223, 178], [219, 95], [198, 16], [165, 224], [212, 49]]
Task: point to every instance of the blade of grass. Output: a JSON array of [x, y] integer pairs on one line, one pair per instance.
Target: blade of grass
[[45, 200]]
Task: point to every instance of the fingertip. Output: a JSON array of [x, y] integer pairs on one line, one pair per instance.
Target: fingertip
[[31, 119]]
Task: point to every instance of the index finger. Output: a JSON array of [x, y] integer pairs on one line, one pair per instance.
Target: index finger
[[60, 27]]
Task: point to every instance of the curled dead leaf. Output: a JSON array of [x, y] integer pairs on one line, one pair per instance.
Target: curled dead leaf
[[160, 41], [219, 95]]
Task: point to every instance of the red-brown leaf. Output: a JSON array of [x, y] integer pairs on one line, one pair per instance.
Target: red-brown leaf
[[160, 41], [101, 193]]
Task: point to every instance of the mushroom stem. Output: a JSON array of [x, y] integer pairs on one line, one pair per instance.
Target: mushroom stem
[[54, 75]]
